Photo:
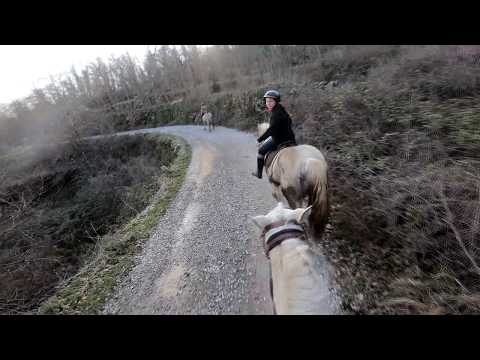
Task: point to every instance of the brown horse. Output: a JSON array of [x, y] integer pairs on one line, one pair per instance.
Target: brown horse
[[298, 175]]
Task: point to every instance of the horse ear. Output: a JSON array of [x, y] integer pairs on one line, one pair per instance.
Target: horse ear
[[277, 210], [294, 215], [304, 215], [261, 221]]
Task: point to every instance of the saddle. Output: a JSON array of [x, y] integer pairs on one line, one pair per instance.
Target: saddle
[[270, 156]]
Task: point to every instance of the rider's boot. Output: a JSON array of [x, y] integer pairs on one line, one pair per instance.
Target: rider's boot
[[260, 161]]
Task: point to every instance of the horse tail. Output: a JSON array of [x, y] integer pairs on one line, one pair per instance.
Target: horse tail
[[319, 197]]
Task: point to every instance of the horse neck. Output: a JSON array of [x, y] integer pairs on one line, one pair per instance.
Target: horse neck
[[295, 278], [262, 128]]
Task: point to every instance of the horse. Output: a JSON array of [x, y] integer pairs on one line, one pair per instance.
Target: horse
[[299, 178], [207, 120], [297, 286]]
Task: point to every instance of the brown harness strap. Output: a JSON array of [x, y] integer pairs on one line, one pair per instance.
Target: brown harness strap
[[277, 238], [272, 226]]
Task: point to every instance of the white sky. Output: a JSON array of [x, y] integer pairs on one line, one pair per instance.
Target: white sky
[[24, 67]]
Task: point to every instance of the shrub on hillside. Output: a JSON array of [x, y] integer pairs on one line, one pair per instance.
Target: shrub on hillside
[[56, 206]]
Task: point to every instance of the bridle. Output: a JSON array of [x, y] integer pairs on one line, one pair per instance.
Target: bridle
[[275, 233]]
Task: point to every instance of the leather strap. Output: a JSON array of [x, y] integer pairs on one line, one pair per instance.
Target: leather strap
[[275, 233]]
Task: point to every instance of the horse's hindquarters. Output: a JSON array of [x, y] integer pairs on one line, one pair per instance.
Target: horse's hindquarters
[[299, 175]]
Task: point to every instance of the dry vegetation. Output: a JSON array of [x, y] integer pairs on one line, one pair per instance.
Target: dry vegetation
[[57, 202], [401, 129], [400, 126]]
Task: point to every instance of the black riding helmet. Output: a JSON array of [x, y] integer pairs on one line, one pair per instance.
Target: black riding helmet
[[274, 94]]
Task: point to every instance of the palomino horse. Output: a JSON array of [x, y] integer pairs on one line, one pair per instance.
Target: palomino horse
[[297, 285], [298, 175], [207, 120]]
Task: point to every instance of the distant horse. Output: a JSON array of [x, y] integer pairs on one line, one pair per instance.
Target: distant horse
[[298, 175], [207, 120]]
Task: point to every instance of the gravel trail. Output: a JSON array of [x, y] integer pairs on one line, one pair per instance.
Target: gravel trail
[[205, 256]]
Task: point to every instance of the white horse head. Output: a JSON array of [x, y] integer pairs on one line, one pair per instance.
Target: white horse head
[[299, 284], [282, 213]]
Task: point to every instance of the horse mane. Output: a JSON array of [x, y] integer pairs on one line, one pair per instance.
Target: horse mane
[[262, 127]]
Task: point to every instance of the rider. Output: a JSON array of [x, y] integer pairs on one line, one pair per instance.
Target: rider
[[203, 109], [280, 130]]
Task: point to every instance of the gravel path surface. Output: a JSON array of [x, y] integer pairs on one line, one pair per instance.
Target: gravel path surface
[[205, 256]]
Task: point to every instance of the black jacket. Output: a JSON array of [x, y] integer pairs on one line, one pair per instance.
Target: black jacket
[[280, 126]]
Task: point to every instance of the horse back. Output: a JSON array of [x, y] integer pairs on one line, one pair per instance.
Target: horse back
[[294, 160], [270, 156]]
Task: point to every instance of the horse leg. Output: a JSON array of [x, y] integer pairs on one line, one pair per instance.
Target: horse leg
[[279, 195], [276, 194], [290, 196]]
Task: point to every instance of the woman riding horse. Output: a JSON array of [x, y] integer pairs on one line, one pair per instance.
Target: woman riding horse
[[280, 130]]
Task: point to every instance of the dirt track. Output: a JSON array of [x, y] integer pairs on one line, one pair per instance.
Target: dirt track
[[205, 256]]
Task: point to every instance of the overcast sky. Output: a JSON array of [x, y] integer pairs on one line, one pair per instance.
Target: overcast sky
[[23, 67]]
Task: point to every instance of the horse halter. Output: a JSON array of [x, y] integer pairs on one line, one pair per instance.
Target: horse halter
[[275, 233]]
